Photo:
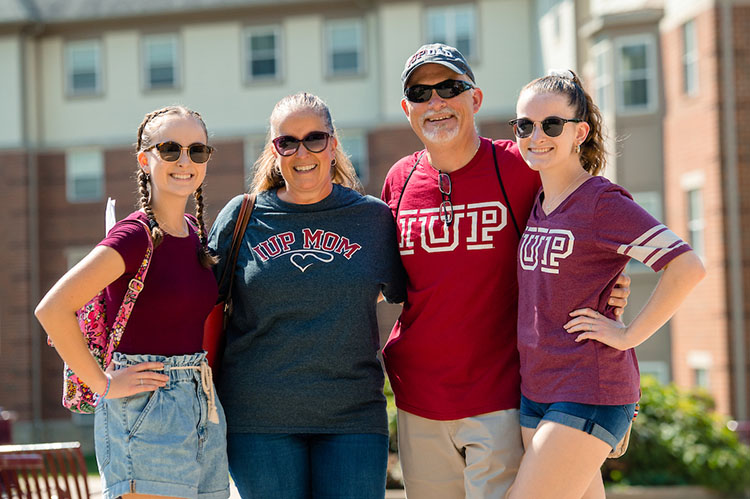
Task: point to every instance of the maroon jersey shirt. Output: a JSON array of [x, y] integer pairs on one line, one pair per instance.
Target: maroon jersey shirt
[[570, 259]]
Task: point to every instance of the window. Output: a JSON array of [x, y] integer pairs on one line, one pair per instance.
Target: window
[[355, 145], [84, 175], [700, 362], [345, 47], [263, 53], [83, 67], [454, 26], [603, 77], [695, 222], [651, 202], [692, 185], [74, 254], [656, 368], [253, 149], [689, 58], [636, 74], [160, 61]]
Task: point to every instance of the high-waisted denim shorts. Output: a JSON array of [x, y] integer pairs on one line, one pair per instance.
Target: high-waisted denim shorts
[[163, 442], [608, 423]]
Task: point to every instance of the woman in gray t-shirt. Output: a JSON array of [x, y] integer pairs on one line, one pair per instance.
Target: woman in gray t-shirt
[[301, 382]]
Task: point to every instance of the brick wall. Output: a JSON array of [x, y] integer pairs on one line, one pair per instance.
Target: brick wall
[[15, 352], [692, 144], [741, 43]]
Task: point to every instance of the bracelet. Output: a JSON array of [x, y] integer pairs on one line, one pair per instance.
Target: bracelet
[[109, 383]]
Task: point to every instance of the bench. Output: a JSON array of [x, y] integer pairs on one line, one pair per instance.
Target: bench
[[54, 470]]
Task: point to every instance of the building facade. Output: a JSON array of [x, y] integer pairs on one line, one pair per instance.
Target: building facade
[[79, 77]]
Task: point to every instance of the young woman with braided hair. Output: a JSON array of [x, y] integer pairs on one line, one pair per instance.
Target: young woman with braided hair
[[159, 427], [579, 373]]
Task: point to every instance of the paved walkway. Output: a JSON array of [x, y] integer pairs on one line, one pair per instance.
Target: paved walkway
[[95, 490]]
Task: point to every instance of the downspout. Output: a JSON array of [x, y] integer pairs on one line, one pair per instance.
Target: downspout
[[734, 227], [29, 146]]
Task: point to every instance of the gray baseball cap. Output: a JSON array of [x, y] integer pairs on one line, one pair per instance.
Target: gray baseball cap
[[437, 53]]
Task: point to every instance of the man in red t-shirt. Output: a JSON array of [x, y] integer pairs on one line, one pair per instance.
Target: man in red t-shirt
[[460, 207]]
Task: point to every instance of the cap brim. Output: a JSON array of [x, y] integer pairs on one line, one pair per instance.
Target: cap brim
[[406, 74]]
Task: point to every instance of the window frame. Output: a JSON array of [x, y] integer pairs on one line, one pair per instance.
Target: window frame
[[652, 104], [695, 182], [71, 194], [69, 48], [146, 67], [329, 25], [247, 53], [601, 52], [690, 59], [450, 12], [348, 137]]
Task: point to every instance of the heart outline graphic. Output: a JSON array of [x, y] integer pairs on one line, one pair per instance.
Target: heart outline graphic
[[304, 254]]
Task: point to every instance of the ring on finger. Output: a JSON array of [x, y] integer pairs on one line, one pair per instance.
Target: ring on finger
[[140, 381]]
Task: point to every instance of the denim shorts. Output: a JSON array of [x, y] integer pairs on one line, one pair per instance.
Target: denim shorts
[[163, 442], [608, 423]]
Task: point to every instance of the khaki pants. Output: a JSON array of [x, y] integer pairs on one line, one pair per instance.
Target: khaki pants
[[475, 457]]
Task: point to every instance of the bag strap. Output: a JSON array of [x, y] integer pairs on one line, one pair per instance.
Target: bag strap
[[135, 286], [505, 195], [401, 194], [243, 217]]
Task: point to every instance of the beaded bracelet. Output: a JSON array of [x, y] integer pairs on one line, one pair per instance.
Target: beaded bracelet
[[109, 383]]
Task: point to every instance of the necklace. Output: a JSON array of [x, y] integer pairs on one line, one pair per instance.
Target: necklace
[[552, 204], [176, 233]]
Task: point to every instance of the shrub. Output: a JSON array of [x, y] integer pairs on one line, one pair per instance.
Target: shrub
[[678, 439]]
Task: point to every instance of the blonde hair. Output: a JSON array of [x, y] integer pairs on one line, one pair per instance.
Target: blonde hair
[[145, 131], [267, 174]]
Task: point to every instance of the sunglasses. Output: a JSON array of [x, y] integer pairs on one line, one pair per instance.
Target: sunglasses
[[446, 89], [446, 207], [286, 145], [171, 151], [552, 126]]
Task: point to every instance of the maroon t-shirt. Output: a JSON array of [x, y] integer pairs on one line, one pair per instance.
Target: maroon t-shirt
[[570, 259], [452, 354], [178, 292]]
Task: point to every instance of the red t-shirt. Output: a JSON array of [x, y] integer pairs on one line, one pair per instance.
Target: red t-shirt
[[452, 353], [178, 292], [570, 259]]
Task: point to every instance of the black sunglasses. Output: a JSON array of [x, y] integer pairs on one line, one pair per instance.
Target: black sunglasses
[[286, 145], [171, 151], [446, 207], [446, 89], [552, 126]]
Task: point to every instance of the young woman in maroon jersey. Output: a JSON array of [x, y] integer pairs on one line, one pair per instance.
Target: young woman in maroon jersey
[[159, 428], [579, 373]]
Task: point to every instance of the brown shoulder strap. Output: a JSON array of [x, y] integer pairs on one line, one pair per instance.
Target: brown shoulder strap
[[243, 217]]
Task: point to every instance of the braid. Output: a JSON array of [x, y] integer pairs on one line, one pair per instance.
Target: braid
[[157, 235], [206, 258]]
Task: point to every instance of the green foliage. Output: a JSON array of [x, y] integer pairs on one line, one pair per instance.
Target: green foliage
[[678, 439]]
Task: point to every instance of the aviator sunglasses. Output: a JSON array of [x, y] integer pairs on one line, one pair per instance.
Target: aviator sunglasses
[[315, 142], [552, 126], [446, 89], [171, 151]]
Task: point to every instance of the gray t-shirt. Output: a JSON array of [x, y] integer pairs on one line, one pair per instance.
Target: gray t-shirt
[[302, 343]]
